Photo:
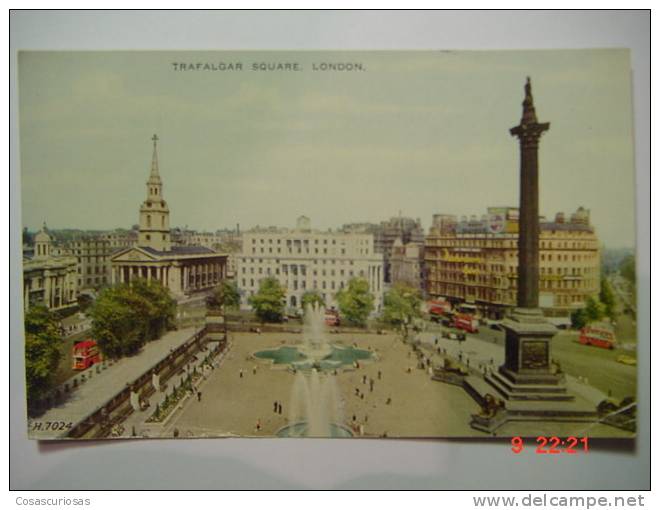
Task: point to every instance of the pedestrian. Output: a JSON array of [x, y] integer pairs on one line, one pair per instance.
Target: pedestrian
[[379, 375], [279, 408], [366, 418], [275, 406], [240, 373], [354, 418], [361, 429], [258, 425], [357, 391], [254, 370], [364, 379], [362, 396], [371, 385], [388, 401], [199, 396]]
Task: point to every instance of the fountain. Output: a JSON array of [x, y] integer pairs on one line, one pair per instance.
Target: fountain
[[315, 345], [315, 352], [315, 405]]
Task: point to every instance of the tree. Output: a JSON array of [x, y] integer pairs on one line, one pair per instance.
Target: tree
[[42, 351], [313, 298], [128, 315], [627, 269], [606, 297], [401, 306], [579, 319], [226, 295], [268, 302], [355, 301], [28, 238], [594, 309], [84, 302]]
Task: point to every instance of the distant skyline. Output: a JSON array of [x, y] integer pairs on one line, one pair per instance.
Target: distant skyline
[[416, 132]]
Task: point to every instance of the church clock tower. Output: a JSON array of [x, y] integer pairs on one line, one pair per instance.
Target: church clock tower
[[154, 212]]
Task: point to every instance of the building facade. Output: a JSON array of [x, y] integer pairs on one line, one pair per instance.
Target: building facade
[[304, 260], [49, 279], [225, 241], [184, 270], [407, 264], [407, 230], [475, 261]]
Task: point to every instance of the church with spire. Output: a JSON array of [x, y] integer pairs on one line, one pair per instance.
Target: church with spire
[[184, 270]]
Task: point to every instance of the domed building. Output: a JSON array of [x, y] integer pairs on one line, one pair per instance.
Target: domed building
[[49, 279]]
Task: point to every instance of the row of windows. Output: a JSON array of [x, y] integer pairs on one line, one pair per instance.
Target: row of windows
[[314, 262], [289, 242], [498, 282], [94, 270], [96, 259], [306, 242], [93, 281], [511, 243], [300, 251], [303, 271], [500, 297], [299, 285]]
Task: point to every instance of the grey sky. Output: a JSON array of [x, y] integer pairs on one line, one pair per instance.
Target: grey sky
[[420, 132]]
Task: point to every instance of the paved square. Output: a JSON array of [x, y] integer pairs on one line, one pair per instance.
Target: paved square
[[232, 405]]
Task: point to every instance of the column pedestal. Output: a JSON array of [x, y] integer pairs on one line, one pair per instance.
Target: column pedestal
[[527, 372]]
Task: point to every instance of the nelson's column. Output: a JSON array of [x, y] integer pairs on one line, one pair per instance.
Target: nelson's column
[[531, 386], [528, 334], [527, 368]]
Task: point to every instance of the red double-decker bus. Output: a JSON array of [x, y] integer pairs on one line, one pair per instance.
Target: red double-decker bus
[[598, 335], [466, 322], [85, 354], [332, 317]]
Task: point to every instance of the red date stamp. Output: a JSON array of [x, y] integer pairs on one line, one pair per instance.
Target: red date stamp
[[553, 445]]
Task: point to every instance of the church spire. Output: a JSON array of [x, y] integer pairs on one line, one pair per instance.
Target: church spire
[[154, 213], [154, 177]]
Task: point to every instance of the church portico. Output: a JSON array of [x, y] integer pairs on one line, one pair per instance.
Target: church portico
[[183, 270]]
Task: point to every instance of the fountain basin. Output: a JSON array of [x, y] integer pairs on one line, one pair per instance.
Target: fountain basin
[[301, 429], [334, 357]]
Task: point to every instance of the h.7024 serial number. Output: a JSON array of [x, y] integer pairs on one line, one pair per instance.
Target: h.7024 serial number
[[50, 425]]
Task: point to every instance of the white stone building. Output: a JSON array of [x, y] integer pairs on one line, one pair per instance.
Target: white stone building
[[304, 259], [49, 279]]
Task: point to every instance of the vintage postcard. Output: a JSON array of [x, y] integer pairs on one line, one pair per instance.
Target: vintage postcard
[[357, 244]]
